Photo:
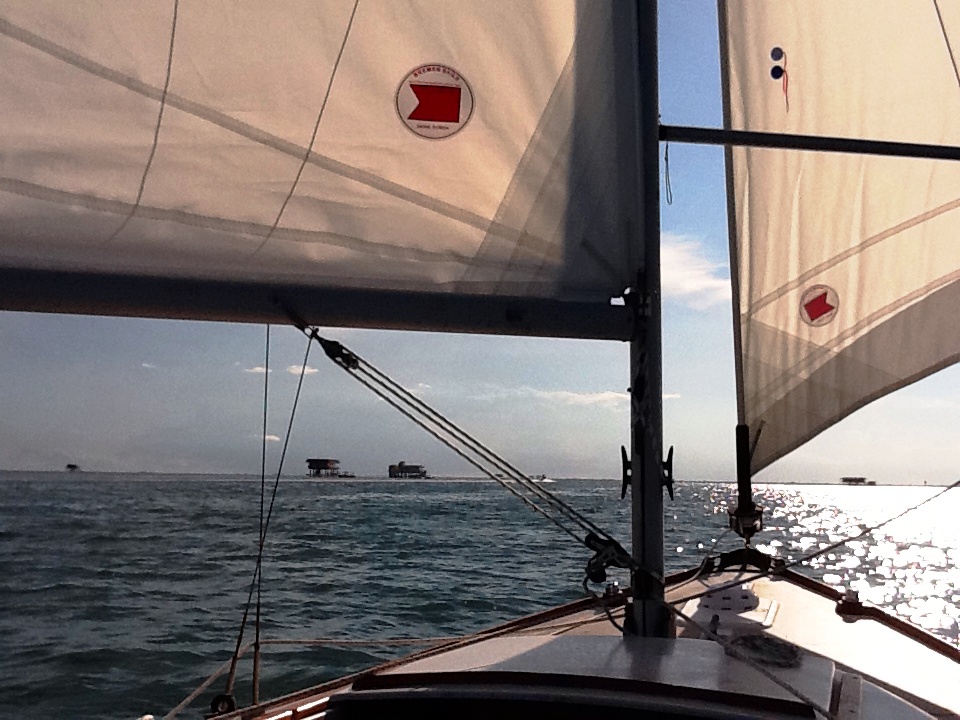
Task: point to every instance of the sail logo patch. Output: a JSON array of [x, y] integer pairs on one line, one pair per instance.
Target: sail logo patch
[[434, 101], [819, 305]]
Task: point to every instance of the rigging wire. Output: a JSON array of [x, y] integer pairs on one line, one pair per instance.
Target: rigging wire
[[451, 435], [316, 128], [705, 564], [156, 130], [266, 524], [822, 551], [532, 505], [608, 552], [263, 480], [476, 446]]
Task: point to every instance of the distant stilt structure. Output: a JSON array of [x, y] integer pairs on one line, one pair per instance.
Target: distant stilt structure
[[405, 470], [323, 467]]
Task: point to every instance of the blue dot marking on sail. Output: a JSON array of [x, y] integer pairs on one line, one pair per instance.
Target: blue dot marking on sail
[[779, 72], [777, 55]]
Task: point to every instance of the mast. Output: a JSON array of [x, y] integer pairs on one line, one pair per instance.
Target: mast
[[746, 518], [646, 394]]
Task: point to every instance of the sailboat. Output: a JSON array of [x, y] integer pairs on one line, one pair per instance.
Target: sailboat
[[494, 167]]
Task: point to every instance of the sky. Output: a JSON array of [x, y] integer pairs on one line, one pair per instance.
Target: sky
[[115, 394]]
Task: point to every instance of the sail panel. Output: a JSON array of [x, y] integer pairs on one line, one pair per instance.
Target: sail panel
[[470, 149], [847, 264]]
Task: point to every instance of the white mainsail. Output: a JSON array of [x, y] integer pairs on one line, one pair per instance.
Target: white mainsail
[[849, 265], [454, 149]]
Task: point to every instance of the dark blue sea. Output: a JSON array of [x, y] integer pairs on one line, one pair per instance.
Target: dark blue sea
[[120, 594]]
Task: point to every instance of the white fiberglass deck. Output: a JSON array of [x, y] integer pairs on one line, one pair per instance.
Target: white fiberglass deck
[[860, 669]]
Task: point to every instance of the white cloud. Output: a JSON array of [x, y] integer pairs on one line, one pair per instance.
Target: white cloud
[[603, 398], [149, 366], [671, 396], [271, 438], [295, 370], [259, 370], [606, 398], [418, 389], [689, 276]]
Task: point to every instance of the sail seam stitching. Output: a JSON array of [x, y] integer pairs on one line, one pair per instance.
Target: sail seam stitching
[[851, 252], [507, 201], [212, 222], [806, 364], [863, 402]]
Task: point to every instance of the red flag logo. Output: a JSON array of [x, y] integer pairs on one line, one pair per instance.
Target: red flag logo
[[818, 305], [436, 103]]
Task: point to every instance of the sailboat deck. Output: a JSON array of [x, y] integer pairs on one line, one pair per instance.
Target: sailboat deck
[[576, 654]]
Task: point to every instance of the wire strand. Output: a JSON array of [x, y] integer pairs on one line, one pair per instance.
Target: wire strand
[[485, 452], [533, 506], [448, 433], [823, 550], [263, 480], [313, 136], [266, 523], [156, 130]]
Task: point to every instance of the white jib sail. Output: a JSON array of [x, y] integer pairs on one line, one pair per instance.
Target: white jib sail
[[849, 266], [478, 147]]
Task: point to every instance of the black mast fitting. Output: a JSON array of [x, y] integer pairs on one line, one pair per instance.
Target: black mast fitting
[[746, 520], [666, 480]]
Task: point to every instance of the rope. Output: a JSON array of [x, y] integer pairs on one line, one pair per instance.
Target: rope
[[733, 650], [386, 642], [266, 525], [603, 605], [263, 481], [478, 447], [156, 130], [668, 190], [313, 136], [821, 551], [437, 425], [703, 565], [450, 435], [533, 506]]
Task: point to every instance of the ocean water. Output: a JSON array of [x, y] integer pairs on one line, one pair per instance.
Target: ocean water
[[120, 594]]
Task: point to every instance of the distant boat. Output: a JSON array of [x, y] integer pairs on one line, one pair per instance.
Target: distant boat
[[856, 480], [71, 467]]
